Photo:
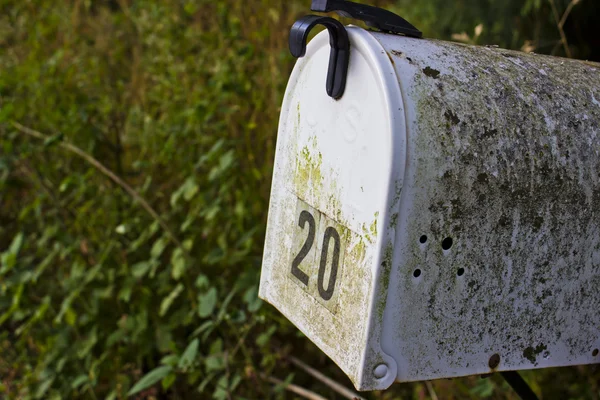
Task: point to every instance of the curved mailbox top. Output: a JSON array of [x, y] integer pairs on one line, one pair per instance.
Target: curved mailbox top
[[441, 218]]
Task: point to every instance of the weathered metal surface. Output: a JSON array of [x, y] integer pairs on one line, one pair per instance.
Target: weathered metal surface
[[464, 183], [504, 159]]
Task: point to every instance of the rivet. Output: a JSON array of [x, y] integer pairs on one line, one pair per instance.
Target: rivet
[[380, 371]]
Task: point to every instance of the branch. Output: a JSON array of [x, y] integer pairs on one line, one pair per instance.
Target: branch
[[560, 23], [347, 393], [300, 391], [431, 390], [100, 167], [572, 4]]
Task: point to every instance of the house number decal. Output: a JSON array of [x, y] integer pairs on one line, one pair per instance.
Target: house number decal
[[317, 254]]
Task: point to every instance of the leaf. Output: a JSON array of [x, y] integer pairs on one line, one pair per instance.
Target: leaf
[[483, 388], [158, 247], [80, 380], [178, 264], [225, 304], [189, 355], [88, 344], [16, 244], [205, 326], [9, 257], [171, 360], [43, 388], [207, 303], [264, 338], [280, 387], [167, 301], [251, 298], [140, 269], [205, 382], [191, 188], [202, 281], [222, 390], [214, 363], [168, 381], [150, 379], [54, 139], [188, 190]]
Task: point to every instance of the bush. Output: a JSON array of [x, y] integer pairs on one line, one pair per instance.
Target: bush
[[137, 144]]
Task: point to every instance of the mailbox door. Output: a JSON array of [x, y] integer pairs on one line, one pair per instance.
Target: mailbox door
[[333, 207]]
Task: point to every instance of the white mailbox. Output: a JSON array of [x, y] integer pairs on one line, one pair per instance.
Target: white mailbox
[[442, 217]]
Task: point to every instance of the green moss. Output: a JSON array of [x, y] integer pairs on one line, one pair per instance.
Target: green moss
[[531, 353]]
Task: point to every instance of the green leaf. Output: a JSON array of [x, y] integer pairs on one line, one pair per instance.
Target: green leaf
[[80, 380], [207, 303], [168, 381], [189, 355], [222, 389], [9, 257], [202, 281], [214, 363], [280, 387], [158, 247], [171, 359], [264, 338], [251, 298], [43, 388], [205, 382], [483, 388], [191, 188], [205, 326], [223, 309], [54, 139], [178, 264], [167, 301], [140, 269], [16, 244], [150, 379]]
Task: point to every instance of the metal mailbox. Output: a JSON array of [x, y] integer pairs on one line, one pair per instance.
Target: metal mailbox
[[442, 217]]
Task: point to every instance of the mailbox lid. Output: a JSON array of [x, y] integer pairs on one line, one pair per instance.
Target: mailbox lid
[[336, 186]]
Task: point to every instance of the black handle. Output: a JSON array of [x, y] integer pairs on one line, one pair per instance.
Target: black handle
[[340, 49], [379, 18]]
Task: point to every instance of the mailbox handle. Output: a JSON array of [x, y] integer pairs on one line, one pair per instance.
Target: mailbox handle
[[374, 17], [340, 49]]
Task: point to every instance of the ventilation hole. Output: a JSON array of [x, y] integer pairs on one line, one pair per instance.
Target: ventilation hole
[[460, 272], [423, 239], [595, 352], [417, 273], [447, 243], [494, 361]]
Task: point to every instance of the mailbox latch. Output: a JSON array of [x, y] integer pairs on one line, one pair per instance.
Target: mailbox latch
[[384, 20]]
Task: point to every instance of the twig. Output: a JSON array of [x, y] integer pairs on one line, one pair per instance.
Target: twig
[[347, 393], [560, 22], [300, 391], [572, 4], [431, 390], [100, 167]]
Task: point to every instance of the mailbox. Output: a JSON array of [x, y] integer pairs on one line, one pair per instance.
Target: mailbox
[[441, 217]]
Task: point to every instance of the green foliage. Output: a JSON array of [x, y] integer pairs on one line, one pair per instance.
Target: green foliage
[[179, 99]]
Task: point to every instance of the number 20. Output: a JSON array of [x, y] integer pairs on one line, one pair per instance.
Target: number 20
[[330, 233]]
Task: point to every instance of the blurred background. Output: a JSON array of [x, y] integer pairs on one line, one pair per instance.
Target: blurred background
[[136, 151]]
